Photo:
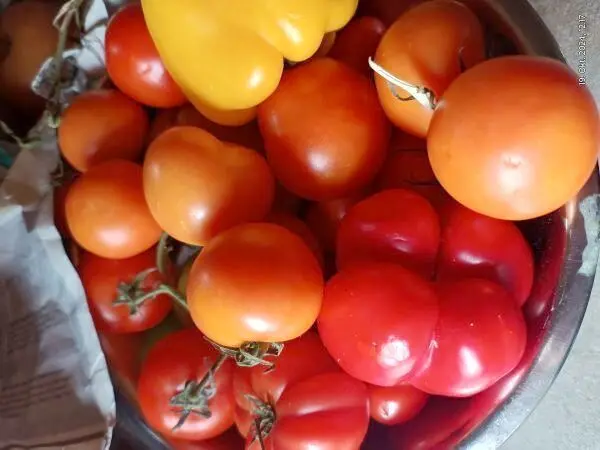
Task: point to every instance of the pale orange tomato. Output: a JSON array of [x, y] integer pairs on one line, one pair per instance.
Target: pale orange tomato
[[197, 186], [255, 282]]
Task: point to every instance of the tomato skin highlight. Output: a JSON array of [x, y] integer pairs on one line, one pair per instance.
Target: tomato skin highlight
[[101, 277], [102, 125], [255, 282], [476, 246], [197, 186], [395, 404], [322, 143], [182, 356], [124, 227], [395, 226], [377, 321], [406, 51], [479, 338], [133, 63], [515, 137]]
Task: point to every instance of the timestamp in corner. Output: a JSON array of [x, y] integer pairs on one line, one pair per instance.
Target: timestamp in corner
[[582, 28]]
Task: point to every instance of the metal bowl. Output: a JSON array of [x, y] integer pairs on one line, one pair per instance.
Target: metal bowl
[[566, 245]]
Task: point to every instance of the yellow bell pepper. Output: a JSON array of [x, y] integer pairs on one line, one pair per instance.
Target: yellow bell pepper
[[229, 54]]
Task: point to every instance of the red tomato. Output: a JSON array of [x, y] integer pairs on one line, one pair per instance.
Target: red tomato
[[515, 137], [324, 219], [395, 404], [329, 411], [476, 246], [101, 279], [479, 338], [197, 186], [357, 42], [246, 135], [182, 357], [299, 228], [102, 125], [230, 440], [386, 10], [410, 169], [107, 214], [285, 201], [377, 321], [321, 142], [425, 47], [401, 140], [133, 63], [396, 226], [255, 282], [301, 359]]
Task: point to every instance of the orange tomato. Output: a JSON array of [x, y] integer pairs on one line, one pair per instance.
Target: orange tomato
[[425, 47], [246, 135], [255, 282], [358, 41], [515, 137], [106, 211], [197, 186], [102, 125]]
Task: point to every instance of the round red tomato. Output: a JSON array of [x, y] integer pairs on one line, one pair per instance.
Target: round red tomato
[[106, 211], [357, 42], [329, 411], [255, 282], [479, 338], [321, 142], [102, 125], [426, 47], [410, 169], [133, 64], [178, 359], [395, 404], [377, 321], [476, 246], [230, 440], [324, 219], [515, 137], [197, 186], [102, 280], [395, 226]]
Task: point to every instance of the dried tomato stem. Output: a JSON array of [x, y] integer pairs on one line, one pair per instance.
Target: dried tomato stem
[[162, 253], [421, 94], [259, 433]]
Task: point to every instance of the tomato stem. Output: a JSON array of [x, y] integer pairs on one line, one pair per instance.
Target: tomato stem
[[264, 419], [259, 433], [251, 354], [195, 396], [421, 94], [162, 253]]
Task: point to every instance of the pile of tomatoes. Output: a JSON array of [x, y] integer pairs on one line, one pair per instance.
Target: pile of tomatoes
[[348, 255]]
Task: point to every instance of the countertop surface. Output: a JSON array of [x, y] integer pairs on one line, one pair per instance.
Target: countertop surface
[[568, 418]]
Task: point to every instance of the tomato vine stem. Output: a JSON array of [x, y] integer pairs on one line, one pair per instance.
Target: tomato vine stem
[[264, 419], [421, 94], [162, 253]]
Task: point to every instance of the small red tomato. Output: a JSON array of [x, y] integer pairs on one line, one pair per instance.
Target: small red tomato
[[133, 63], [479, 338], [427, 47], [107, 213], [299, 228], [324, 219], [377, 321], [321, 142], [395, 404], [103, 278], [395, 226], [515, 137], [172, 363], [102, 125], [357, 42], [230, 440], [477, 246], [325, 412]]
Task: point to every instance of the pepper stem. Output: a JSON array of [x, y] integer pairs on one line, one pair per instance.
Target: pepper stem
[[421, 94]]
